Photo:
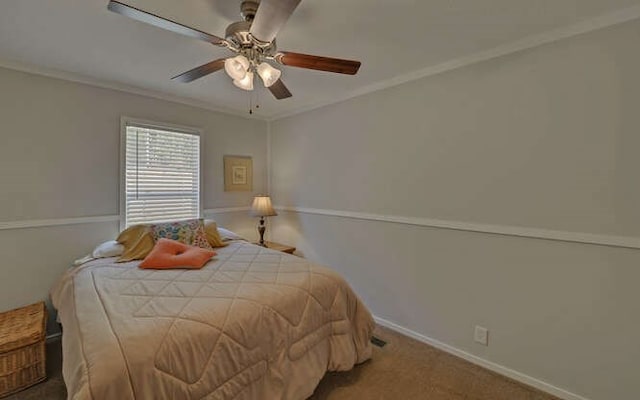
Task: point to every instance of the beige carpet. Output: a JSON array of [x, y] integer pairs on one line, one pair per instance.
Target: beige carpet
[[403, 369], [407, 369]]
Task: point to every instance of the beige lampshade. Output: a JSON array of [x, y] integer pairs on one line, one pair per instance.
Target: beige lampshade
[[262, 207]]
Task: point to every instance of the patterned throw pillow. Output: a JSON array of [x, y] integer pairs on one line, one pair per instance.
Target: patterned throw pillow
[[190, 231]]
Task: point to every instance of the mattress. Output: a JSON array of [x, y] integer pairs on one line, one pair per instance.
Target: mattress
[[252, 324]]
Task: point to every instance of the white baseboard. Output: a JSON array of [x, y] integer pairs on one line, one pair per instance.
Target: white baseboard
[[502, 370]]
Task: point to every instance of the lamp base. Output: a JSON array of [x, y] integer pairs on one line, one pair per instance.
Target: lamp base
[[261, 229]]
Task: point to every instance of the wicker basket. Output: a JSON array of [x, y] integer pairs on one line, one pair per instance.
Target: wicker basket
[[22, 351]]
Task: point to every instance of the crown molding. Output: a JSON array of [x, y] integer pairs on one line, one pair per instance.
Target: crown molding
[[120, 87], [628, 242], [593, 24]]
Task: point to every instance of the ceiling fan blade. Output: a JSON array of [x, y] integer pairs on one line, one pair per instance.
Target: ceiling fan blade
[[319, 63], [279, 90], [149, 18], [271, 17], [200, 71]]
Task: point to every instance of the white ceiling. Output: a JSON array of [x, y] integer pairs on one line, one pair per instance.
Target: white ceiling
[[390, 37]]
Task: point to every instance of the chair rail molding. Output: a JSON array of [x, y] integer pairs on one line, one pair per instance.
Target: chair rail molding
[[223, 210], [40, 223], [629, 242]]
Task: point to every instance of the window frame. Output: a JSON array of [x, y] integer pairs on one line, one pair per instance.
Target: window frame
[[131, 121]]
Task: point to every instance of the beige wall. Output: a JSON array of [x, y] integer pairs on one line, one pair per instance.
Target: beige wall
[[545, 138], [59, 158]]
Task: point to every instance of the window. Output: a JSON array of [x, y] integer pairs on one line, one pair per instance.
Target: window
[[161, 174]]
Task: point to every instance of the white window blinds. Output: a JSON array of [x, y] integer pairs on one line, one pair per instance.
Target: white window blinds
[[162, 175]]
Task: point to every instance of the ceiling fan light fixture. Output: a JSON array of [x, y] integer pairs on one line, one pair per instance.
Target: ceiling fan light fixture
[[252, 40], [245, 83], [269, 74], [236, 67]]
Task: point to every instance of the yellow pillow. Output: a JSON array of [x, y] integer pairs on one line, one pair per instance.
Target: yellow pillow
[[213, 237], [137, 241]]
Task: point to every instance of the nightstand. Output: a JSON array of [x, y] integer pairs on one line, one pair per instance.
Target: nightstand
[[280, 247]]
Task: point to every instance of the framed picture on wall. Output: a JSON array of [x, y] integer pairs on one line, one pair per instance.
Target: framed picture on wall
[[238, 174]]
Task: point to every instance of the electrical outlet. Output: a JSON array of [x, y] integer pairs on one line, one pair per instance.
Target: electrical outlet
[[481, 335]]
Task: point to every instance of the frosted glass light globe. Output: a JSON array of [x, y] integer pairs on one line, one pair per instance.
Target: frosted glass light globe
[[268, 74], [245, 83], [236, 67]]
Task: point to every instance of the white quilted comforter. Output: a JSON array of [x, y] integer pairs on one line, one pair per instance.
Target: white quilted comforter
[[252, 324]]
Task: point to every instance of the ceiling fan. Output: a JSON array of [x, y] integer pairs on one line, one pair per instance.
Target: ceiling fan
[[254, 42]]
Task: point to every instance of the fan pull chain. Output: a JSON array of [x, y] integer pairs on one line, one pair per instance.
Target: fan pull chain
[[251, 102]]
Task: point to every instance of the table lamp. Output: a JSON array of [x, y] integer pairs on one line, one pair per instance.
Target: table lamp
[[262, 207]]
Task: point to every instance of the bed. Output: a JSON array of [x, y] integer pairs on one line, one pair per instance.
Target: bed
[[254, 323]]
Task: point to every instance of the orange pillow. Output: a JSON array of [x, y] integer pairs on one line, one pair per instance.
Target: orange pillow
[[169, 253]]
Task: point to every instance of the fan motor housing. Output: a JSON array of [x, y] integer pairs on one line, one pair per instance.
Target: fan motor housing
[[248, 9], [238, 32]]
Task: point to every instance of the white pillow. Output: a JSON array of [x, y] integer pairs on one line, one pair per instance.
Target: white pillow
[[83, 260], [110, 248], [226, 234]]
